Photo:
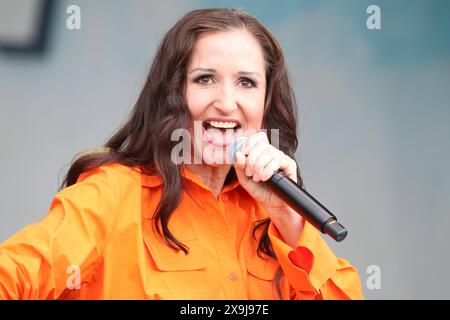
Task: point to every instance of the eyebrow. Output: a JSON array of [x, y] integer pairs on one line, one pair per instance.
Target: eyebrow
[[240, 73]]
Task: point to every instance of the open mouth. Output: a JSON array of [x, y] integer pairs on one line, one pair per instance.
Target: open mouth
[[220, 133], [222, 125]]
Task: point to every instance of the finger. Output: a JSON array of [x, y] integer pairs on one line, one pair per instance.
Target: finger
[[239, 165], [239, 162], [262, 161], [253, 140], [289, 166], [252, 157], [263, 136], [270, 169]]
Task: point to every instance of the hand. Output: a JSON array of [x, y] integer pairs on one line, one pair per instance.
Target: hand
[[257, 161]]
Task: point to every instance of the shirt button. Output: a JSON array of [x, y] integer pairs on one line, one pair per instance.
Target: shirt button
[[233, 276]]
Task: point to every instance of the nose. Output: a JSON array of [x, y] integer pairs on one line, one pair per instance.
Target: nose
[[226, 101]]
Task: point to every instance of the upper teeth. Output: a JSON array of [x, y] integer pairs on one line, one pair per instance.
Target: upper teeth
[[220, 124]]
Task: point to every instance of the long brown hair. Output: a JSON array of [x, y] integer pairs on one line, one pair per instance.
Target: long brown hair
[[145, 138]]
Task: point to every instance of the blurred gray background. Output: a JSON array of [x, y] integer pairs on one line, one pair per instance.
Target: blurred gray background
[[374, 117]]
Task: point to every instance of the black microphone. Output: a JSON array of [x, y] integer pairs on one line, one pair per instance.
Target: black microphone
[[300, 200]]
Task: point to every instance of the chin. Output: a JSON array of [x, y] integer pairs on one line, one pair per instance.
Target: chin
[[215, 156]]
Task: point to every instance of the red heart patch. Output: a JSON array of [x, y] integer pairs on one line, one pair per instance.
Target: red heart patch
[[302, 257]]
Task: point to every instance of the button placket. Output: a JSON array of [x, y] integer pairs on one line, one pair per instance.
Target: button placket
[[230, 268]]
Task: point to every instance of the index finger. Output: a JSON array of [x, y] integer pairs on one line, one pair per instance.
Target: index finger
[[253, 140]]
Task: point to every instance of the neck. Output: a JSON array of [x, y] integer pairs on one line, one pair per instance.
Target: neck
[[213, 177]]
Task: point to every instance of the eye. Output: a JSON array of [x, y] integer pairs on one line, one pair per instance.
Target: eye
[[203, 79], [247, 83]]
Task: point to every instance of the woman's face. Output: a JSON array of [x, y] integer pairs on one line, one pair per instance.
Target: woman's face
[[225, 91]]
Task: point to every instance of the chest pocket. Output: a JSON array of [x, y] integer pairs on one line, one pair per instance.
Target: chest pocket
[[168, 259]]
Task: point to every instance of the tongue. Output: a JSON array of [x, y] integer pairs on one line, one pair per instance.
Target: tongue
[[219, 136]]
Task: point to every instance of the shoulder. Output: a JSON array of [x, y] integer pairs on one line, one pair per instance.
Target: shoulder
[[106, 184], [113, 172], [113, 177]]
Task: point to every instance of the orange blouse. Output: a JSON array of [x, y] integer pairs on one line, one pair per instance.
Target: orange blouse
[[97, 242]]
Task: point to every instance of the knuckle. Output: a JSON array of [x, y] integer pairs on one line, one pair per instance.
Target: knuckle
[[279, 155], [263, 136], [250, 145], [257, 166], [252, 158], [261, 161], [293, 162], [271, 169], [249, 162]]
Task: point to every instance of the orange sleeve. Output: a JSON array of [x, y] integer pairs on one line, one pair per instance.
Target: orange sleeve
[[312, 270], [35, 263]]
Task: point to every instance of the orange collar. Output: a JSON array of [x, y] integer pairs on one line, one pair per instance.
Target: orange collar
[[156, 180]]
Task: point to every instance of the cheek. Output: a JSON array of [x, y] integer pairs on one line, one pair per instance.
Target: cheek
[[254, 111], [197, 101]]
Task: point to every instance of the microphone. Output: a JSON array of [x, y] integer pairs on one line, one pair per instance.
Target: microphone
[[299, 200]]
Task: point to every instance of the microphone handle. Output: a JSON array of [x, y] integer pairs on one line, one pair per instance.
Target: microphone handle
[[305, 204]]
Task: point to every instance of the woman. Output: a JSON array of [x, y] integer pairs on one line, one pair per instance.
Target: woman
[[133, 222]]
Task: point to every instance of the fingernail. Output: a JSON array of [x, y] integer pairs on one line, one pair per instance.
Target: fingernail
[[248, 171]]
